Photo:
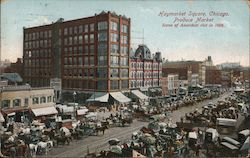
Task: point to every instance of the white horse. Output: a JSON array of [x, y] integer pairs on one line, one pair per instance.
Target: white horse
[[33, 149], [44, 147]]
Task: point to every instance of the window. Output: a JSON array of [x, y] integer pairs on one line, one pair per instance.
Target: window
[[70, 50], [124, 61], [102, 49], [16, 102], [86, 39], [49, 99], [91, 38], [65, 41], [92, 27], [74, 61], [91, 72], [75, 50], [92, 49], [114, 37], [124, 84], [114, 49], [80, 39], [86, 49], [124, 39], [86, 28], [80, 28], [114, 73], [79, 61], [102, 36], [70, 31], [79, 72], [91, 60], [102, 25], [124, 50], [49, 33], [102, 73], [85, 72], [80, 50], [70, 61], [114, 61], [70, 40], [86, 61], [114, 26], [43, 100], [124, 72], [102, 85], [75, 40], [5, 103], [75, 30], [124, 28], [26, 101], [102, 60], [65, 31], [114, 84]]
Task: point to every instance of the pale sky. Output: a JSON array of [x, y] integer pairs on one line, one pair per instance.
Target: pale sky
[[227, 44]]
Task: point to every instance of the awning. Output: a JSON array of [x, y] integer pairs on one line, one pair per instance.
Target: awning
[[44, 111], [199, 86], [66, 109], [99, 97], [158, 89], [144, 89], [120, 97], [139, 94], [183, 88], [82, 111], [11, 114], [152, 90], [1, 117]]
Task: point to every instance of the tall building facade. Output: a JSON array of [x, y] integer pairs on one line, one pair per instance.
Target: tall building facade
[[146, 70], [187, 70], [88, 54]]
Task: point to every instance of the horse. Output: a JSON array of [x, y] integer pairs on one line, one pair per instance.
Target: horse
[[33, 149], [61, 139], [75, 134], [102, 129], [126, 121]]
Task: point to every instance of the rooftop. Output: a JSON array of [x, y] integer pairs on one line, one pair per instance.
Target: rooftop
[[21, 88], [61, 20]]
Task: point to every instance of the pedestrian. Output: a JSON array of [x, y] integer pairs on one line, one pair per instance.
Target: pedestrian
[[197, 150]]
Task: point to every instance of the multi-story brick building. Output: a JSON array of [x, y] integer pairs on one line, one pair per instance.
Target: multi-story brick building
[[213, 75], [186, 70], [88, 54], [146, 70]]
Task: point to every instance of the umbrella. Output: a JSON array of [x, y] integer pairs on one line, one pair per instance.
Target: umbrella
[[246, 145], [116, 149], [114, 141]]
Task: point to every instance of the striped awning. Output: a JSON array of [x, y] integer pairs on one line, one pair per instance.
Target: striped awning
[[45, 111], [120, 97]]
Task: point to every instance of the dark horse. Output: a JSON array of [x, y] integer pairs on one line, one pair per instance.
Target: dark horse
[[127, 121], [61, 139], [101, 129]]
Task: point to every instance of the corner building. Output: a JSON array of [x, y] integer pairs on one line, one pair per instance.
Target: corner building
[[88, 54]]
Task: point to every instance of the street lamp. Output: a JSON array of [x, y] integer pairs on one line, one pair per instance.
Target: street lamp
[[74, 97]]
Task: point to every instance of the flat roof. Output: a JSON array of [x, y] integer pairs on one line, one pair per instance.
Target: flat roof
[[84, 18]]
